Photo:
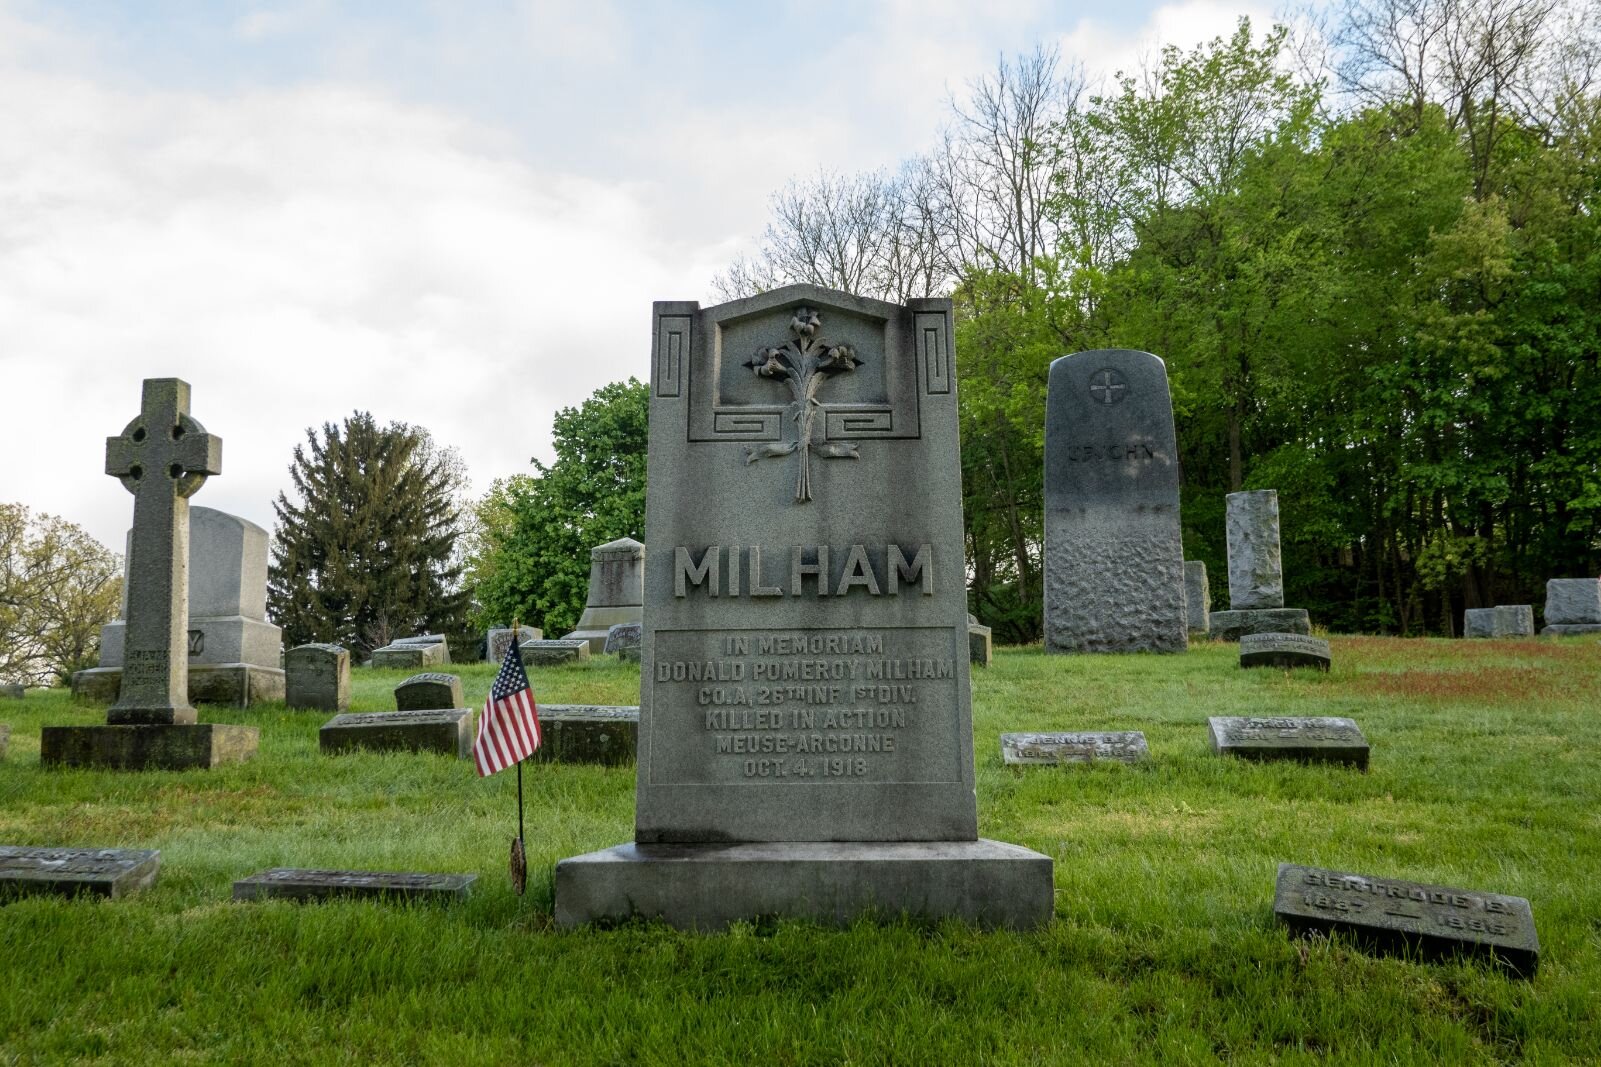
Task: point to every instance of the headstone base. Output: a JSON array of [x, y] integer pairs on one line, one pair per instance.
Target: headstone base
[[197, 746], [1558, 629], [291, 883], [232, 685], [588, 733], [448, 732], [1233, 625], [707, 887]]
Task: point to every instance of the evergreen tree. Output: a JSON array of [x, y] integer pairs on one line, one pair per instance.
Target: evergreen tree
[[368, 553]]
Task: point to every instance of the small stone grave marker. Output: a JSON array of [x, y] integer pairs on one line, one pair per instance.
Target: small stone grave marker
[[1314, 739], [1503, 620], [980, 645], [101, 872], [429, 692], [1197, 598], [5, 738], [448, 731], [317, 676], [1572, 606], [550, 653], [624, 640], [1126, 746], [293, 883], [500, 639], [1389, 913], [412, 653], [12, 691], [1284, 650], [588, 733]]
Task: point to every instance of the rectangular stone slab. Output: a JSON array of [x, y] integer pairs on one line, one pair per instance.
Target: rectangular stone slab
[[234, 685], [294, 883], [411, 655], [549, 653], [1284, 651], [1389, 913], [101, 872], [1310, 739], [152, 747], [707, 887], [588, 733], [1127, 746], [447, 731]]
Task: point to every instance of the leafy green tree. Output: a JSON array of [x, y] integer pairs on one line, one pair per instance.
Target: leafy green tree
[[368, 550], [58, 586], [531, 561]]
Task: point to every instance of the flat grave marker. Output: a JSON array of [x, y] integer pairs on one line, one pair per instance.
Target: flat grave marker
[[1310, 739], [1392, 914], [295, 883], [448, 731], [588, 733], [552, 653], [1284, 650], [101, 872], [1047, 749]]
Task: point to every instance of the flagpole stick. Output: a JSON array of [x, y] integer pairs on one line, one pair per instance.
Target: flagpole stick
[[520, 801]]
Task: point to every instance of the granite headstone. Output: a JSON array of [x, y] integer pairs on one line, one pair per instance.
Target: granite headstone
[[616, 591], [293, 883], [1310, 739], [1572, 606], [432, 691], [1284, 650], [100, 872], [588, 733], [1503, 620], [554, 653], [1197, 598], [623, 640], [317, 676], [805, 744], [1114, 562], [12, 691], [980, 645], [444, 730], [1256, 571], [1121, 746], [500, 639]]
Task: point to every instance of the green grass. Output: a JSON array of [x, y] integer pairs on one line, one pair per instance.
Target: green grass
[[1484, 774]]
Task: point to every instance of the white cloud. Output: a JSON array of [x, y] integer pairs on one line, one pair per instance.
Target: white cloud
[[1105, 48]]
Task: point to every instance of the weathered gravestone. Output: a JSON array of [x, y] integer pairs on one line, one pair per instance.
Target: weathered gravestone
[[624, 639], [1572, 606], [429, 692], [234, 652], [588, 733], [444, 730], [1114, 564], [294, 883], [317, 676], [805, 744], [1309, 739], [426, 650], [500, 638], [5, 739], [980, 645], [12, 691], [616, 591], [1197, 599], [1284, 650], [551, 653], [1256, 571], [1125, 746], [1504, 620], [162, 457], [1434, 921], [100, 872]]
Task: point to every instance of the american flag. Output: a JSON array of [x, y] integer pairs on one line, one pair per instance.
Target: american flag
[[508, 730]]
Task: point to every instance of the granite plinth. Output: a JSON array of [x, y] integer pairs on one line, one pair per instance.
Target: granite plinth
[[1390, 914], [1309, 739], [176, 747], [294, 883], [1284, 650], [709, 886], [425, 692], [551, 653], [1042, 749], [588, 733], [446, 731], [1233, 625], [100, 872], [233, 685], [1559, 629], [980, 645]]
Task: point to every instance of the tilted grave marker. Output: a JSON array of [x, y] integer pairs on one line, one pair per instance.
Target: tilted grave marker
[[1124, 746], [1284, 650], [448, 731], [1310, 739], [101, 872]]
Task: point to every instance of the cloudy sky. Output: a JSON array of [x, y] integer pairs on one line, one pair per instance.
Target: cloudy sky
[[451, 214]]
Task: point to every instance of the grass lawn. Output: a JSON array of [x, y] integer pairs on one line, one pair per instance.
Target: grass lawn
[[1485, 774]]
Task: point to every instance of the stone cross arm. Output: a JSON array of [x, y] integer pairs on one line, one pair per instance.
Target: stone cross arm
[[164, 441]]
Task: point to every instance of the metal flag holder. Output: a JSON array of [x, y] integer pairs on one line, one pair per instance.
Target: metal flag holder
[[519, 857]]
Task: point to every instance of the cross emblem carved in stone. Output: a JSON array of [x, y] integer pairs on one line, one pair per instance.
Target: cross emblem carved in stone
[[1107, 386], [162, 457]]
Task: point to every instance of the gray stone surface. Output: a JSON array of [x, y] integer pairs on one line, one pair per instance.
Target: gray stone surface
[[1114, 563], [616, 591], [1284, 650], [12, 691], [1570, 629], [708, 887], [1310, 739], [588, 733], [429, 692], [411, 655], [805, 739], [100, 872], [448, 731], [5, 739], [295, 883], [1573, 602], [1233, 625], [1197, 598], [1126, 746], [1504, 620], [234, 685], [1478, 622], [500, 639], [980, 645], [147, 746], [551, 653], [317, 676], [1434, 921], [624, 640], [1256, 570]]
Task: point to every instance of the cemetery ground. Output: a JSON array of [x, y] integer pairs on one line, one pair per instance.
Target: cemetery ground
[[1484, 775]]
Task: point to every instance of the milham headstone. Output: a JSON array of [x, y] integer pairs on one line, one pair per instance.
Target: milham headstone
[[616, 591], [162, 457], [805, 744], [1114, 562], [1388, 913], [1572, 606], [1256, 571], [1197, 598], [317, 676]]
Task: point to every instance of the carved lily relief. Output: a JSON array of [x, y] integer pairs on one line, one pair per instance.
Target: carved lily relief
[[804, 364]]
